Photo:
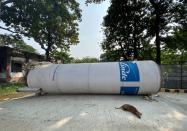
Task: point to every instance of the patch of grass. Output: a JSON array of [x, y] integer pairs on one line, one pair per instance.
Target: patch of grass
[[9, 88]]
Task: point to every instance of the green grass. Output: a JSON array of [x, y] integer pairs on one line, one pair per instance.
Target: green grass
[[8, 88]]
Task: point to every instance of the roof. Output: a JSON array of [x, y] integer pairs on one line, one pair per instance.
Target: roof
[[20, 52]]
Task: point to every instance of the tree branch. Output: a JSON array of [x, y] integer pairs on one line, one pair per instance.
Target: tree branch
[[153, 3], [42, 46], [93, 1], [7, 29], [16, 32], [6, 2]]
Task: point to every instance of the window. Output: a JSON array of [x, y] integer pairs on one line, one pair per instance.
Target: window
[[16, 67]]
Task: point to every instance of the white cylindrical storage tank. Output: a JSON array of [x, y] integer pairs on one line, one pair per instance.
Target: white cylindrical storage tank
[[125, 77]]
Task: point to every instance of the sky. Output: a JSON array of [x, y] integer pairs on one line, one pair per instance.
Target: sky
[[90, 32]]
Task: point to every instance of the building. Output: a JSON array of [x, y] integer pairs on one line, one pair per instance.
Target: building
[[12, 61]]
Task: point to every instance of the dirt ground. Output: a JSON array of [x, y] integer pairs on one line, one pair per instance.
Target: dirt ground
[[93, 113], [14, 95]]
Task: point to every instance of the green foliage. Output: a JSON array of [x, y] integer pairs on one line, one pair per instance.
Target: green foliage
[[148, 52], [23, 46], [124, 27], [162, 13], [131, 24], [177, 41], [7, 88], [62, 57], [52, 23], [15, 42], [93, 1], [110, 56], [85, 60], [169, 56]]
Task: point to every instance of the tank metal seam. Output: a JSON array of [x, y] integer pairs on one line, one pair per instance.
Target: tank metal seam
[[54, 77], [55, 72]]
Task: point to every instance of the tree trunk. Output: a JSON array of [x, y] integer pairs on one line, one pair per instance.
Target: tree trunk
[[135, 43], [123, 52], [47, 54], [157, 31], [134, 35], [49, 45], [135, 51]]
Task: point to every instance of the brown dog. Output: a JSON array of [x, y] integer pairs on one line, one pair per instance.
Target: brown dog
[[130, 108]]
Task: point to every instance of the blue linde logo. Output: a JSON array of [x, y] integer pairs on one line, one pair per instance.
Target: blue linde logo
[[129, 90], [129, 71]]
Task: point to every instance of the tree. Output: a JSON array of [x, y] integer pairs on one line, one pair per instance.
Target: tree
[[110, 56], [147, 52], [60, 56], [85, 60], [170, 56], [161, 17], [164, 15], [93, 1], [178, 39], [53, 24], [124, 27], [15, 42], [176, 44]]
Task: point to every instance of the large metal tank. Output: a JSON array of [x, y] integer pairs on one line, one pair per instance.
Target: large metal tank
[[132, 77]]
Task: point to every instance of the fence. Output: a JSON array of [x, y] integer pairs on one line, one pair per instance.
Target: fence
[[174, 76]]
